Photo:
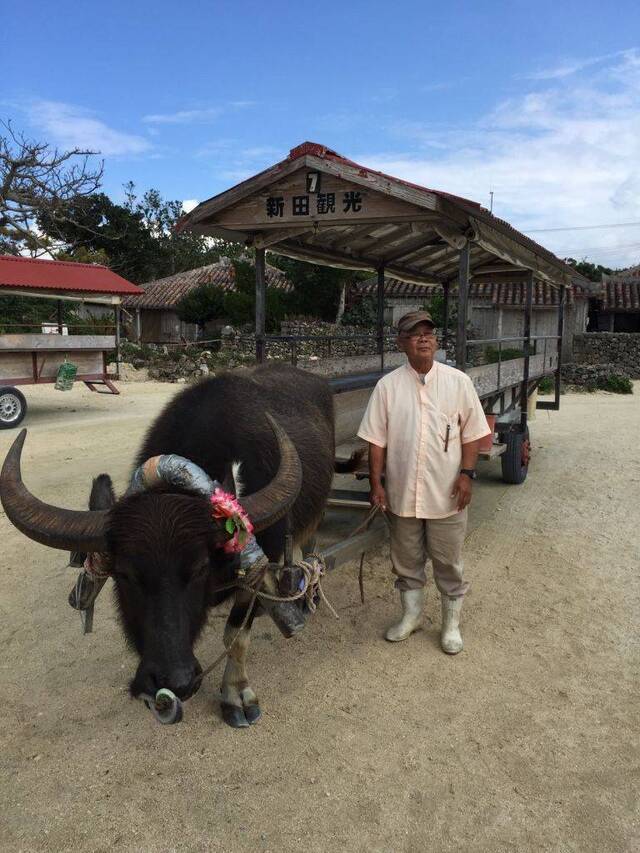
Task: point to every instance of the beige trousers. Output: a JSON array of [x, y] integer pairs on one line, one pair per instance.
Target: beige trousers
[[414, 540]]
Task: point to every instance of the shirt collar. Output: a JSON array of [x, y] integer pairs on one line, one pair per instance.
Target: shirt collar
[[429, 377]]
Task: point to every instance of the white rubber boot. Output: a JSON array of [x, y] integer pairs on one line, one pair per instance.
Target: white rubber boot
[[412, 601], [450, 638]]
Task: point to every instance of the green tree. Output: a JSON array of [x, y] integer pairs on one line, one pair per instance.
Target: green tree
[[202, 304], [591, 271], [240, 305], [22, 314], [139, 238], [316, 289]]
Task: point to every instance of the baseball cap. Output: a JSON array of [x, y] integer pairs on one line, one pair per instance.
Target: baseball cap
[[408, 321]]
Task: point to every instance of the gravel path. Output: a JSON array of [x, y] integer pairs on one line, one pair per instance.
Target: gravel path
[[527, 741]]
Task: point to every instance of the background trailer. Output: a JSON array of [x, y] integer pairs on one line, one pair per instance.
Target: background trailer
[[28, 358]]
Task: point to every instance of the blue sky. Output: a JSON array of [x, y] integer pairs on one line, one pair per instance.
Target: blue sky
[[537, 101]]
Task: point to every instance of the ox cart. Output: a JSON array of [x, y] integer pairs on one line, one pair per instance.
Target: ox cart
[[35, 359], [321, 207]]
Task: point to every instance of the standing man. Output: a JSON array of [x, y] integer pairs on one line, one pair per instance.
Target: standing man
[[426, 420]]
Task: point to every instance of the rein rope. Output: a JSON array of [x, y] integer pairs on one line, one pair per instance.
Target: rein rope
[[313, 569]]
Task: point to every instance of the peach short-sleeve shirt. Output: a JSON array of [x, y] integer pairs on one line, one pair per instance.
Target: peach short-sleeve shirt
[[411, 419]]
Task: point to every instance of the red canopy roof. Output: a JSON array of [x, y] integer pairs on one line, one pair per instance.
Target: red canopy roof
[[62, 277]]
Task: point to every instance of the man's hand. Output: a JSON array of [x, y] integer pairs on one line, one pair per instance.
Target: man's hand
[[462, 490], [378, 497]]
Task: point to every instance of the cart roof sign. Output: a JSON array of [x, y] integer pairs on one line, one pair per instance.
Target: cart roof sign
[[319, 206]]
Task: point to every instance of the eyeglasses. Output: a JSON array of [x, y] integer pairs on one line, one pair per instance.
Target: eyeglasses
[[418, 335]]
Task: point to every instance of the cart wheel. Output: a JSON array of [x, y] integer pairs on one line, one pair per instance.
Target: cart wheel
[[515, 459], [13, 407]]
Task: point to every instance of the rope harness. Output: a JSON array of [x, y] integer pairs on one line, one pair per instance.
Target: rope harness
[[165, 705]]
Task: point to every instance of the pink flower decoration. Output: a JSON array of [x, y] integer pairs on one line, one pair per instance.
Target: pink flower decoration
[[238, 524]]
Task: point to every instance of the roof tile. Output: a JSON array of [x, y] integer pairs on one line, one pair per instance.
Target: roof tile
[[167, 292]]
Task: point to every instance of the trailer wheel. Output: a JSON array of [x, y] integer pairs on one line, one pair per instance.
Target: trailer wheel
[[13, 407], [515, 459]]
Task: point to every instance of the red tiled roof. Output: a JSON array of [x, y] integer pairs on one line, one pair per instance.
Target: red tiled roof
[[621, 290], [499, 293], [513, 293], [621, 295], [392, 287], [61, 276], [167, 292]]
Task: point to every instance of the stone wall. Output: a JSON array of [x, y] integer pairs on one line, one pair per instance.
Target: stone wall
[[620, 351]]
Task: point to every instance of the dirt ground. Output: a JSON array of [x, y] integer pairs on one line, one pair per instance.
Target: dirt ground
[[529, 740]]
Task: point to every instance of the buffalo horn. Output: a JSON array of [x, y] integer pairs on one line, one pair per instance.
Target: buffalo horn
[[67, 529], [271, 503]]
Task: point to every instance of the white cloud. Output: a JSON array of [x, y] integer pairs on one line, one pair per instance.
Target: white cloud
[[204, 115], [567, 67], [189, 203], [184, 116], [562, 156], [70, 126]]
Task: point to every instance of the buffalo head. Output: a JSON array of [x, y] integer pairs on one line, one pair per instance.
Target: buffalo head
[[163, 549]]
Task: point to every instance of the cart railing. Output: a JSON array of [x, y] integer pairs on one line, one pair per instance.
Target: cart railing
[[97, 327], [484, 342]]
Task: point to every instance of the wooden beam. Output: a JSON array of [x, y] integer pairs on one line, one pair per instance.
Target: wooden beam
[[398, 234], [411, 251], [117, 319], [524, 391], [446, 287], [355, 262], [463, 297], [346, 239], [381, 315], [273, 237], [261, 305]]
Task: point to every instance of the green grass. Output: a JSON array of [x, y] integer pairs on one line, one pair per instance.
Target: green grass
[[614, 383], [546, 385], [492, 355]]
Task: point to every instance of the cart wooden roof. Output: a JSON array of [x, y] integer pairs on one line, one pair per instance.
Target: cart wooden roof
[[319, 206]]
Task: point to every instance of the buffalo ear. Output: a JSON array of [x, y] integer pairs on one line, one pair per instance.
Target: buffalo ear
[[102, 493], [102, 497]]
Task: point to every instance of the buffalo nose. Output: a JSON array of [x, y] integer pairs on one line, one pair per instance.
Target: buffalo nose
[[184, 681]]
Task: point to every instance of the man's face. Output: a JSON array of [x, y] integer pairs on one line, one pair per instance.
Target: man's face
[[419, 343]]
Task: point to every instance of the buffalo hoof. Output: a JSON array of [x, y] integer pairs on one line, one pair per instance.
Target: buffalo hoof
[[234, 716], [253, 713]]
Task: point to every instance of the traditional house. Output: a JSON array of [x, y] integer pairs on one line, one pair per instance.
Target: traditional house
[[496, 307], [153, 313], [617, 308]]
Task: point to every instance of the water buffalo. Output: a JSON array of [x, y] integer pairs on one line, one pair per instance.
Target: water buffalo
[[162, 545]]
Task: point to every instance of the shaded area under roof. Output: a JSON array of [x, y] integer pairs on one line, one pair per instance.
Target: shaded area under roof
[[319, 206]]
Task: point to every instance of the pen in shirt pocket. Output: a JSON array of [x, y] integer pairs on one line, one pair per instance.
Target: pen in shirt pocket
[[446, 440]]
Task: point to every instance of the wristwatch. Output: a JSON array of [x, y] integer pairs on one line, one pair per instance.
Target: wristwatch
[[470, 473]]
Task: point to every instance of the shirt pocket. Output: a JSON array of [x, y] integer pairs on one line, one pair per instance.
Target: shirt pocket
[[448, 429]]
